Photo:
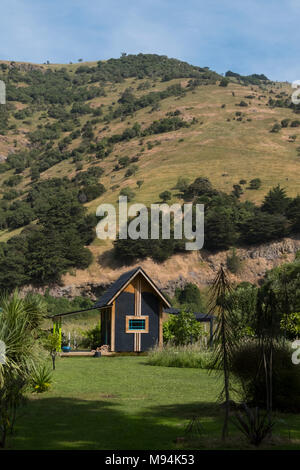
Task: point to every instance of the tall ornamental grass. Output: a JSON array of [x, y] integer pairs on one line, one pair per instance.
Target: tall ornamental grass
[[191, 356]]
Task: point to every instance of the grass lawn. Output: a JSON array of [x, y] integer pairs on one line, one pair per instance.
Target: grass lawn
[[120, 403]]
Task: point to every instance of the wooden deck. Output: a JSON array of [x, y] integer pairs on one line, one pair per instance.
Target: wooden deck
[[83, 353]]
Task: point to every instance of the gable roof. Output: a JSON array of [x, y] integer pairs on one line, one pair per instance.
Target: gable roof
[[119, 285]]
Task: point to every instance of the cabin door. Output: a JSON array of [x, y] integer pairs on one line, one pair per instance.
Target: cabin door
[[106, 326]]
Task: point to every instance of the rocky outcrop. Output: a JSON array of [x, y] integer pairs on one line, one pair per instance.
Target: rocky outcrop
[[90, 290], [197, 267]]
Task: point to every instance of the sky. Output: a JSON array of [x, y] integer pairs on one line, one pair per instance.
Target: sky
[[245, 36]]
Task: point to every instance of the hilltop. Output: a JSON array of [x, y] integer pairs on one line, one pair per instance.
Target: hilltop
[[138, 122]]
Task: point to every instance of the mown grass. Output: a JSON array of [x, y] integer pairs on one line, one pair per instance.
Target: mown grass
[[123, 403]]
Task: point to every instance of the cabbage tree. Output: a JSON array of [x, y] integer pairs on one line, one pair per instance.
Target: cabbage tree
[[20, 320]]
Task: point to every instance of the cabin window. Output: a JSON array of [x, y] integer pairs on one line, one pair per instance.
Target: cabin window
[[137, 324]]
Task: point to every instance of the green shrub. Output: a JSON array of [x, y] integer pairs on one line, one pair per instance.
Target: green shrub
[[131, 171], [242, 302], [285, 122], [183, 328], [165, 125], [128, 193], [182, 183], [189, 356], [237, 191], [263, 227], [224, 82], [248, 369], [190, 297], [253, 424], [92, 337], [290, 323], [90, 192], [201, 186], [276, 128], [41, 378], [234, 263], [255, 183], [165, 196], [14, 180], [124, 161]]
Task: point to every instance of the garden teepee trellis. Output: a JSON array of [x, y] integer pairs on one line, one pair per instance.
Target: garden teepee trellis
[[57, 329]]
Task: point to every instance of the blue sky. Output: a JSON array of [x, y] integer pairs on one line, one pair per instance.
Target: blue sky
[[246, 36]]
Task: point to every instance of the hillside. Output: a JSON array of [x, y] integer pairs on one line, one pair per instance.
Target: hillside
[[169, 118], [196, 268]]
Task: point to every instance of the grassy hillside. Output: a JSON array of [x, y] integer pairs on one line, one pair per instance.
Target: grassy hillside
[[223, 131]]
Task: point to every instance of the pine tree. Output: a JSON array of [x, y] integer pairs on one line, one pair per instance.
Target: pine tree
[[276, 201]]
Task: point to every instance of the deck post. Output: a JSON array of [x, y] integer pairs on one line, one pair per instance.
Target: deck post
[[112, 326], [160, 332]]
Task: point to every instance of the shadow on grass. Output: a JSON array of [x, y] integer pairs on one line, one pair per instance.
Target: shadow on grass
[[184, 411], [70, 423]]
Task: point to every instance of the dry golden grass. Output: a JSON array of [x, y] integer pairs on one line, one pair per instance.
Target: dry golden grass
[[215, 146]]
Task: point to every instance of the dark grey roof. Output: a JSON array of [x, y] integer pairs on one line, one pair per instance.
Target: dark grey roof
[[203, 316], [199, 316], [115, 287], [118, 284], [172, 310]]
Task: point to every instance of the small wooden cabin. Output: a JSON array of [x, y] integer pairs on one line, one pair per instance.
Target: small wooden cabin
[[132, 313]]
